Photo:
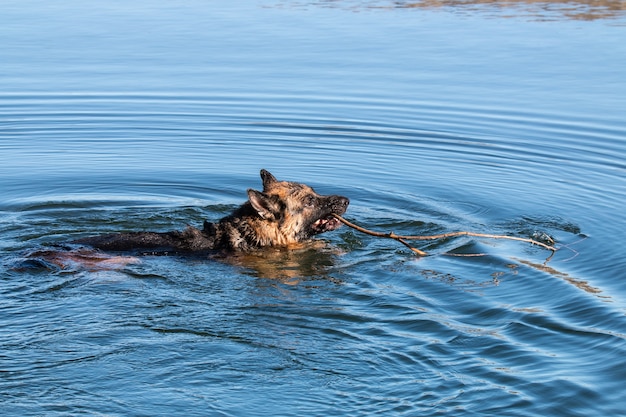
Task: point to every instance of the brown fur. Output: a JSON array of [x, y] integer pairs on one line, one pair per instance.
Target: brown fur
[[283, 214]]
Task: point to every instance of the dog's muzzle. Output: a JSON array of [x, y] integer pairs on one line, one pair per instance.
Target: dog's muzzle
[[339, 204], [336, 205]]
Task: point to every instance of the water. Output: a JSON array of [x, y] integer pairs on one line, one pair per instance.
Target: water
[[148, 116]]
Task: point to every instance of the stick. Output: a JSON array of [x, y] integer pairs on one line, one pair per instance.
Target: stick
[[403, 239]]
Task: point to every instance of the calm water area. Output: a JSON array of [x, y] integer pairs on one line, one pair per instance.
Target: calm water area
[[431, 116]]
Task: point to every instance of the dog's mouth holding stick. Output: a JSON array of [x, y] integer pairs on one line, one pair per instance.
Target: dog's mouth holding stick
[[327, 224]]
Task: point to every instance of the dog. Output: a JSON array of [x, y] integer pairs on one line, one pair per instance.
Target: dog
[[282, 215]]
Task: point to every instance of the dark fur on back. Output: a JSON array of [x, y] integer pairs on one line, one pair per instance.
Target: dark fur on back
[[284, 213]]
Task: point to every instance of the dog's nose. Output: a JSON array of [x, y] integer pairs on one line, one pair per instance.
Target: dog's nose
[[340, 203]]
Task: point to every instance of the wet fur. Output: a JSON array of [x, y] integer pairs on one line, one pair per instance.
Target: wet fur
[[283, 214]]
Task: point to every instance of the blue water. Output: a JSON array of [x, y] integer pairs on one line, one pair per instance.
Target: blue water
[[118, 116]]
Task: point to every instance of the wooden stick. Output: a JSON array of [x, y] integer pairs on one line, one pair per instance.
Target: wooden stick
[[403, 239]]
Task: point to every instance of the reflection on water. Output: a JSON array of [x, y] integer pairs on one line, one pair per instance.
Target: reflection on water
[[312, 260], [572, 9], [578, 283], [539, 9], [74, 261]]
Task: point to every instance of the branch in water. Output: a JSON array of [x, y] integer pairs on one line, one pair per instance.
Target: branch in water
[[403, 239]]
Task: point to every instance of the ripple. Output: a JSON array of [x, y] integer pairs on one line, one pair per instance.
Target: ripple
[[427, 121], [220, 123], [444, 333]]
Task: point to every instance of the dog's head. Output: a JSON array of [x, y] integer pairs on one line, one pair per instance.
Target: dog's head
[[296, 209]]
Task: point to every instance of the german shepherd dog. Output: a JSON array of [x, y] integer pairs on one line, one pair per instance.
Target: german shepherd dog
[[283, 214]]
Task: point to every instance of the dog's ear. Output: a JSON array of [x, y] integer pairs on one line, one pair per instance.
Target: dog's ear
[[264, 205], [268, 179]]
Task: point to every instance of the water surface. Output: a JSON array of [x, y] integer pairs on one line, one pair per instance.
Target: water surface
[[118, 116]]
